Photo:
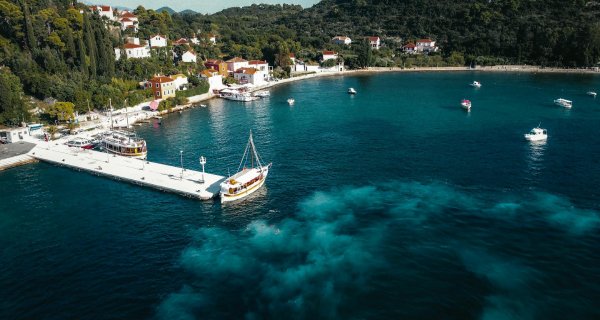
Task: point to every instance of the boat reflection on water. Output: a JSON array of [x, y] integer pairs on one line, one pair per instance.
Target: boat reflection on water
[[535, 156]]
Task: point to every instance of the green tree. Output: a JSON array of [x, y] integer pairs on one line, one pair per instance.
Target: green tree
[[62, 111], [13, 109]]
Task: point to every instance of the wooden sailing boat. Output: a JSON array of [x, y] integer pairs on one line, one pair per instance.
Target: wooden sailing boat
[[247, 179]]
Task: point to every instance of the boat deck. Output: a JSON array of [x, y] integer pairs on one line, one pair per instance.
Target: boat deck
[[149, 174]]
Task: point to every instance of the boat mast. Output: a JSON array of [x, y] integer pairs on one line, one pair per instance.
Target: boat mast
[[111, 117], [251, 142]]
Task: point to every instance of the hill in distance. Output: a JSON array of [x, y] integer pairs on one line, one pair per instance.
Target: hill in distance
[[188, 11], [167, 9]]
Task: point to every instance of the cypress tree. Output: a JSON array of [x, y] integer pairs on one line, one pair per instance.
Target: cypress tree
[[90, 44], [71, 45], [82, 59], [31, 40]]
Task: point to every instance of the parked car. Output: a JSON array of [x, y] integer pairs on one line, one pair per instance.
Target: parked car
[[146, 108]]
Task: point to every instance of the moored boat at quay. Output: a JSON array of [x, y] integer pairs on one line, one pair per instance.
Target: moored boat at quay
[[125, 144], [237, 95], [247, 180]]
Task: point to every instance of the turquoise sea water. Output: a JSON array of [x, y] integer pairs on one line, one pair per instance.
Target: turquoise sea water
[[390, 204]]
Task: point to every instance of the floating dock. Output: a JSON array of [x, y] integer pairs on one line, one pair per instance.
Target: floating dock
[[189, 183]]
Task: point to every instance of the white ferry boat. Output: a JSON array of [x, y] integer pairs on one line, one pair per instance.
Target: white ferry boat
[[291, 101], [236, 95], [125, 144], [564, 103], [351, 91], [262, 94], [248, 179], [466, 104], [591, 93], [537, 134], [475, 84]]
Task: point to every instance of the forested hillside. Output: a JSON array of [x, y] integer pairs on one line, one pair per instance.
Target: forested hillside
[[551, 32]]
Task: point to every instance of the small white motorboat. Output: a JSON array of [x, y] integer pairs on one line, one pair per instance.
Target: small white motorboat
[[291, 101], [262, 94], [591, 93], [536, 134], [466, 104], [564, 103], [475, 84], [203, 106], [351, 91]]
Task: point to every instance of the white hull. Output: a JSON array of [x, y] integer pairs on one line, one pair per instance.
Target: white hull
[[531, 137], [239, 98], [226, 197], [466, 107]]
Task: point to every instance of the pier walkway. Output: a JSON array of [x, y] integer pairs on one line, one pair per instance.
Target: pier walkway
[[140, 172]]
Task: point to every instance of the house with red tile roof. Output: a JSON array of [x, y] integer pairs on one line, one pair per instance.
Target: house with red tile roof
[[327, 55], [180, 41], [248, 75], [410, 48], [162, 87], [236, 63], [133, 50], [375, 42], [103, 11], [219, 65]]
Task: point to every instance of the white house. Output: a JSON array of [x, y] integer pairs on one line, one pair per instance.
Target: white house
[[212, 38], [13, 135], [341, 40], [300, 66], [104, 11], [329, 55], [375, 42], [188, 56], [127, 23], [262, 67], [236, 63], [117, 53], [158, 41], [426, 46], [215, 80], [181, 81], [136, 51], [134, 40], [410, 48], [249, 76]]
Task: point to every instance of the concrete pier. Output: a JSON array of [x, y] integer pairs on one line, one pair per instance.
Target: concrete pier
[[140, 172]]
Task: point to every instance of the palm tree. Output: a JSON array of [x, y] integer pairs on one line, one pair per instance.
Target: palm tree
[[52, 130]]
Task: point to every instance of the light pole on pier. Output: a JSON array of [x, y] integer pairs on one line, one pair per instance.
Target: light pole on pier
[[181, 160], [202, 163]]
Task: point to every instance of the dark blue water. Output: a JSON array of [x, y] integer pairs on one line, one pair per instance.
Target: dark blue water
[[393, 203]]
